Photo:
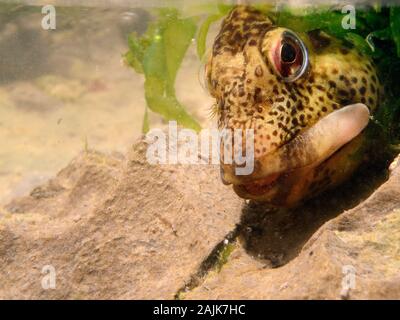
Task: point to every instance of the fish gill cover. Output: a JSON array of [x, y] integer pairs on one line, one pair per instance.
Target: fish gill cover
[[159, 52]]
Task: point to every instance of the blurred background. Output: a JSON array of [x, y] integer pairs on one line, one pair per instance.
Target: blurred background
[[65, 90]]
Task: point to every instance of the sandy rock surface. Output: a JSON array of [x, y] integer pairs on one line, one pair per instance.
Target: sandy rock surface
[[116, 227], [354, 256]]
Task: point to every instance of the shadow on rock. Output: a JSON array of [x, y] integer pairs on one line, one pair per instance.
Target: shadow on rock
[[277, 236]]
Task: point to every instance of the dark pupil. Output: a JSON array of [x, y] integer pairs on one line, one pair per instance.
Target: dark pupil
[[288, 53]]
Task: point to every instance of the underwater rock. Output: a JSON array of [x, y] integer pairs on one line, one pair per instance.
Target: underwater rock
[[115, 227], [354, 256]]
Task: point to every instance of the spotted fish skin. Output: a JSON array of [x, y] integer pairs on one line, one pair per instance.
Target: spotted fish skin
[[246, 75]]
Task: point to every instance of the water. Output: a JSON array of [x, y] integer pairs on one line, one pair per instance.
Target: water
[[65, 90]]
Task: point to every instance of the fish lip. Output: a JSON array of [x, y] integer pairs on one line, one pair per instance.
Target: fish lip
[[259, 187], [244, 182], [250, 190]]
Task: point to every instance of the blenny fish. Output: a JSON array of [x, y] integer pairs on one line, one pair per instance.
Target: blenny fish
[[307, 96]]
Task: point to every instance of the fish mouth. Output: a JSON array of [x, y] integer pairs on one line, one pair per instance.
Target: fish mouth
[[259, 187], [305, 151]]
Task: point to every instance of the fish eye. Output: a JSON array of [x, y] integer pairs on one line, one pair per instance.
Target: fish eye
[[291, 59], [288, 53]]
